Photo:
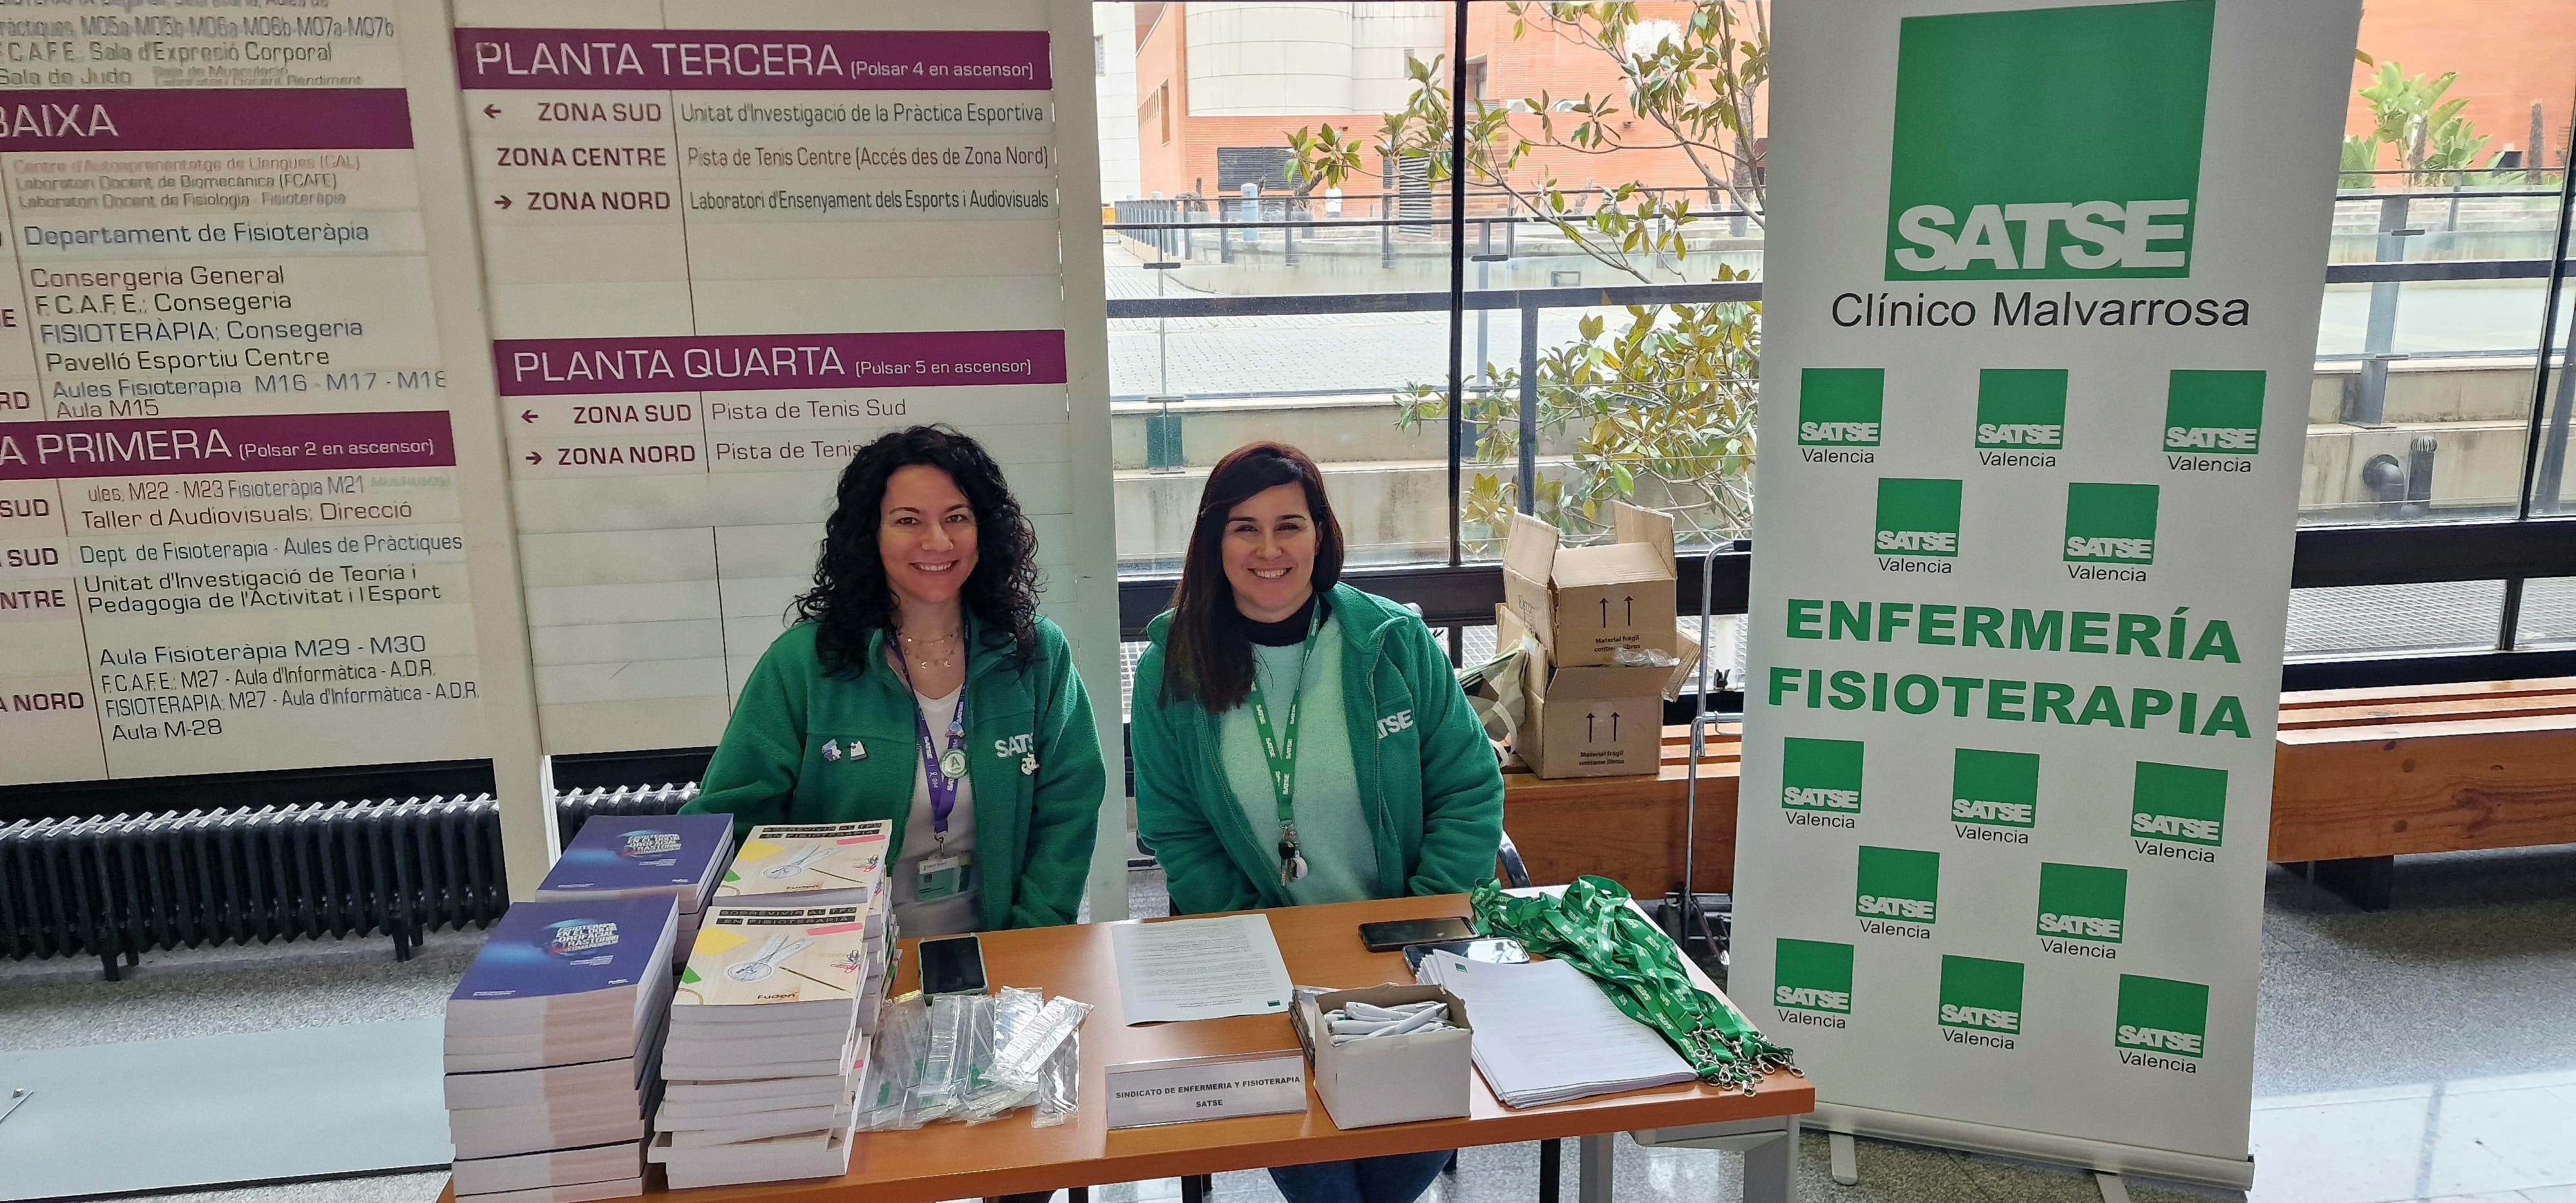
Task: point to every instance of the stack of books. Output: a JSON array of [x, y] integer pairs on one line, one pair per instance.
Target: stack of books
[[638, 856], [813, 864], [551, 1041], [767, 1044]]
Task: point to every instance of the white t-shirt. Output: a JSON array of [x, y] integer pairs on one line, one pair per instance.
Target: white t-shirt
[[956, 914]]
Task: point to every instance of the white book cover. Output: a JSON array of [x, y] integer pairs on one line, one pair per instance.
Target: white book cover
[[774, 964], [844, 861]]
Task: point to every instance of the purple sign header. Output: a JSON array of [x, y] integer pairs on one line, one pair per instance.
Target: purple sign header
[[241, 443], [207, 119], [691, 363], [702, 59]]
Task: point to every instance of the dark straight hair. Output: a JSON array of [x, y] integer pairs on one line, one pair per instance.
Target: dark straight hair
[[1206, 658]]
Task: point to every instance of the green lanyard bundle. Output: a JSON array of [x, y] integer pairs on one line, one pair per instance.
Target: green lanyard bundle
[[1640, 968]]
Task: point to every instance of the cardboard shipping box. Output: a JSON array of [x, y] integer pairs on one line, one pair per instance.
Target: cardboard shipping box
[[1587, 721], [1589, 604], [1389, 1079]]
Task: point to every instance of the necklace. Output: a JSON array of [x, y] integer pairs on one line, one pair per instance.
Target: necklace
[[910, 642]]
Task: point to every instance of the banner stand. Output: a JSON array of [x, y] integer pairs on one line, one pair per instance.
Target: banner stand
[[2039, 334], [2101, 1156]]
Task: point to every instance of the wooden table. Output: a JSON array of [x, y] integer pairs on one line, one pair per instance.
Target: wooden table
[[1322, 948]]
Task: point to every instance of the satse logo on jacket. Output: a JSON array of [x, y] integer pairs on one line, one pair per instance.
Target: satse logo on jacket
[[2049, 143]]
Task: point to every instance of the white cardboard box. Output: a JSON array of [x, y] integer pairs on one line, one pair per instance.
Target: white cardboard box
[[1390, 1079]]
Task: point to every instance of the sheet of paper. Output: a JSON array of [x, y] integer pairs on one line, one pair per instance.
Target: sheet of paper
[[1545, 1033], [1199, 969]]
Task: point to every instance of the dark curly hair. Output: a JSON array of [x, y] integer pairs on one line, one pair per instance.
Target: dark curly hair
[[850, 598]]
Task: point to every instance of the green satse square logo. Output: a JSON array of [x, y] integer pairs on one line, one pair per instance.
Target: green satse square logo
[[2082, 902], [1898, 883], [1840, 407], [1917, 517], [2219, 412], [1815, 975], [2179, 804], [2110, 524], [2157, 1015], [1981, 995], [2049, 143], [1999, 789], [1820, 774], [2021, 408]]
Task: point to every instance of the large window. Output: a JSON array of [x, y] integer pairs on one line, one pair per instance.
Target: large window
[[1571, 314]]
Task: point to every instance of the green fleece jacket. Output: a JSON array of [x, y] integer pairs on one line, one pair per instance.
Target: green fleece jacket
[[1032, 754], [1428, 779]]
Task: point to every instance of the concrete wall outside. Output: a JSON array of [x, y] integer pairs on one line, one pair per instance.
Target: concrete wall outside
[[1390, 484]]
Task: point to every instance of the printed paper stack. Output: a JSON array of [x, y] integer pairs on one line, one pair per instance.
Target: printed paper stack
[[813, 864], [768, 1045], [638, 856], [551, 1039]]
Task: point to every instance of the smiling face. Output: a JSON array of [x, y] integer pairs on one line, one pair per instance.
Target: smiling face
[[925, 534], [1269, 552]]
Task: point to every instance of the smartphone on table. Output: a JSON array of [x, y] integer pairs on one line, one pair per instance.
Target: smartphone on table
[[1396, 933], [952, 965]]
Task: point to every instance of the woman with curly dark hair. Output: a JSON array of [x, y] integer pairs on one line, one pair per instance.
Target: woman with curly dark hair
[[920, 685]]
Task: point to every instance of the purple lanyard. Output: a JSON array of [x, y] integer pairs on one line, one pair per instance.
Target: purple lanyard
[[941, 772]]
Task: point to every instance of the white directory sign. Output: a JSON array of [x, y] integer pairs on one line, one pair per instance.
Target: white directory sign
[[230, 532], [726, 245]]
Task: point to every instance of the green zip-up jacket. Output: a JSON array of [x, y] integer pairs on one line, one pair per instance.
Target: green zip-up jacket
[[1032, 754], [1427, 775]]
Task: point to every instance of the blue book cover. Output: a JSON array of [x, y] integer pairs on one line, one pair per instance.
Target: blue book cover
[[669, 853], [554, 949]]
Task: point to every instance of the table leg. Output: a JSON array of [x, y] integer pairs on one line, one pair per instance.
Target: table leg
[[1594, 1184], [1771, 1168], [1551, 1168]]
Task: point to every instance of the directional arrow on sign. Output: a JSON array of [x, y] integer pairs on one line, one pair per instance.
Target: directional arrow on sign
[[490, 111], [527, 415], [535, 458], [503, 201]]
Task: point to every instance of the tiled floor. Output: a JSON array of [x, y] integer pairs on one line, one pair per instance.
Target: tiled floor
[[2428, 1053]]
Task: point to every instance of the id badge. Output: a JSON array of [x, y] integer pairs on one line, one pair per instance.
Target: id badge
[[941, 877]]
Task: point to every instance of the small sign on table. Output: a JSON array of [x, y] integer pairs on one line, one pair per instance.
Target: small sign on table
[[1143, 1094]]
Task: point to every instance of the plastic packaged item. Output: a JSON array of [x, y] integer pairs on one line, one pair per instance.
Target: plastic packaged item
[[1012, 1009], [894, 1066], [1023, 1063], [1060, 1087], [936, 1094]]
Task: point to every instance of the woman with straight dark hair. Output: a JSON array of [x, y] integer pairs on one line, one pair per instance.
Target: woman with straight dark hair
[[920, 685], [1298, 741]]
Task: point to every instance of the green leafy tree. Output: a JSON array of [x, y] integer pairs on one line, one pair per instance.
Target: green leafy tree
[[2435, 145], [1659, 411]]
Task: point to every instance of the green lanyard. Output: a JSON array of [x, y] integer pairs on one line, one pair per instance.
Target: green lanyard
[[1640, 968], [1282, 752]]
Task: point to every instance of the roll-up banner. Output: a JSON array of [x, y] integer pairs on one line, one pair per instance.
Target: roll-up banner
[[2041, 306]]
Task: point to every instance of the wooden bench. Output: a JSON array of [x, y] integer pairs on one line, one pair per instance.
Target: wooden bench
[[2360, 776]]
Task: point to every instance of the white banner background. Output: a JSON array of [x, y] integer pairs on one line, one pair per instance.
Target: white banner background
[[2278, 70]]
